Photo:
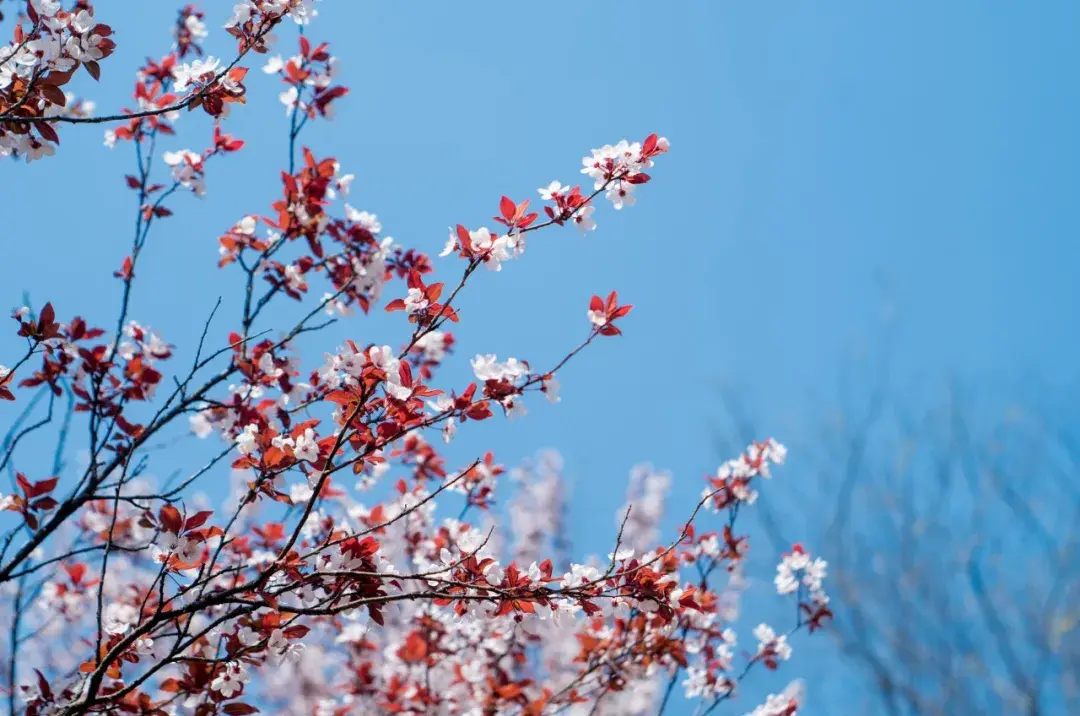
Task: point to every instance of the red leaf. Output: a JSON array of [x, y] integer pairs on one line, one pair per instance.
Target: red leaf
[[48, 315], [507, 207], [414, 650], [93, 68], [340, 397], [239, 709], [171, 519], [274, 457], [198, 519], [45, 503], [689, 603], [75, 571], [125, 269], [45, 130], [43, 487], [478, 411], [43, 685], [463, 237]]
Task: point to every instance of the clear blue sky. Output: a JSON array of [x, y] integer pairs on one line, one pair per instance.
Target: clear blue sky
[[831, 164]]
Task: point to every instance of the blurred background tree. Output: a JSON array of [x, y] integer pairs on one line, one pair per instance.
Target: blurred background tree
[[951, 526]]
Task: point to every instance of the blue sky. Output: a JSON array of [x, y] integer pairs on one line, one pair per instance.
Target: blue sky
[[838, 172]]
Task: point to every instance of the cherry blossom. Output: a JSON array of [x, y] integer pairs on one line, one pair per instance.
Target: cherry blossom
[[231, 680], [354, 566], [306, 447], [197, 71], [584, 221], [187, 169], [770, 645], [488, 367], [553, 191], [786, 703]]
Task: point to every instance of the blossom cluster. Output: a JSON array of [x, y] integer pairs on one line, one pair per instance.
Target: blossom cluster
[[50, 45], [309, 76], [189, 31], [615, 170]]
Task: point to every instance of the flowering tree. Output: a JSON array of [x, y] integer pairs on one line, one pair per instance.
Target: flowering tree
[[973, 509], [296, 596]]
